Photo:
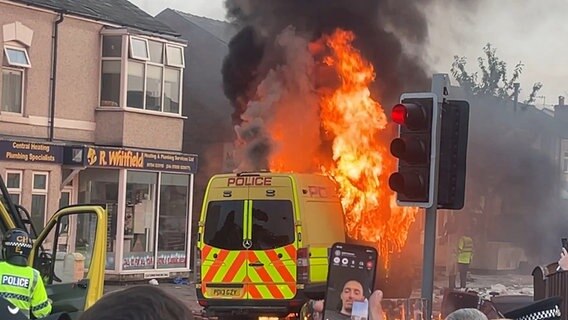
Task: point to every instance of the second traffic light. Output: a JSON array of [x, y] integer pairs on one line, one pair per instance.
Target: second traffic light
[[416, 148]]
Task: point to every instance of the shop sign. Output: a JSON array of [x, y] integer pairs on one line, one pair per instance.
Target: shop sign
[[106, 157], [30, 151], [145, 260]]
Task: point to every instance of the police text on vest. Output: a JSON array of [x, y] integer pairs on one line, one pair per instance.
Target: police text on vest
[[15, 281]]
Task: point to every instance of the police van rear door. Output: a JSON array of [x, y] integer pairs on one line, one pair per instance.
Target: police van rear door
[[271, 229], [223, 249], [70, 253]]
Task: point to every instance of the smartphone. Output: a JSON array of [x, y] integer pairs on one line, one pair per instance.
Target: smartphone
[[350, 281], [565, 243]]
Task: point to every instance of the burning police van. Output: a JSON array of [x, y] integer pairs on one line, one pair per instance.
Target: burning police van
[[263, 241]]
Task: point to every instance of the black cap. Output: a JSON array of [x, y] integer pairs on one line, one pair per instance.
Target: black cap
[[546, 309]]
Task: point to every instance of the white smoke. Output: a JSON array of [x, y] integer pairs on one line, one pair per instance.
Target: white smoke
[[284, 116]]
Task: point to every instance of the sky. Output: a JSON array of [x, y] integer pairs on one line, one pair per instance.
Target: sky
[[534, 32]]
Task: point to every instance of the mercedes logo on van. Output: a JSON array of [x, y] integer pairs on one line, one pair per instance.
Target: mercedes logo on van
[[247, 244]]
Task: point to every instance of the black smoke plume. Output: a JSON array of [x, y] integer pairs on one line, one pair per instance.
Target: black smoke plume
[[381, 28]]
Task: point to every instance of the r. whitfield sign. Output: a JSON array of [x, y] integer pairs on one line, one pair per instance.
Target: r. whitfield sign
[[137, 159], [27, 151]]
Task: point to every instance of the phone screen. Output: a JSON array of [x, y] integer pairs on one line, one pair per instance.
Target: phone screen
[[350, 281]]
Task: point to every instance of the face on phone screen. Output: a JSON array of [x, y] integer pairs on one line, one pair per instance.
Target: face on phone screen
[[350, 282]]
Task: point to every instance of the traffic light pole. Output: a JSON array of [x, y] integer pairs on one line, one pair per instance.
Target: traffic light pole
[[440, 85]]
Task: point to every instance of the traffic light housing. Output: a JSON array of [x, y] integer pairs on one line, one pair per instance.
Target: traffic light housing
[[416, 148], [453, 154]]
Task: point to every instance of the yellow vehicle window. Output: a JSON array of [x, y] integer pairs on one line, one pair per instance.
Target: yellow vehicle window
[[272, 224], [223, 227]]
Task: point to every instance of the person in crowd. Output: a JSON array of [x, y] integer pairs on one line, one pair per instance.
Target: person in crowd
[[466, 314], [138, 303]]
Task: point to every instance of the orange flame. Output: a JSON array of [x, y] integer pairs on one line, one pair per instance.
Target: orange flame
[[361, 160]]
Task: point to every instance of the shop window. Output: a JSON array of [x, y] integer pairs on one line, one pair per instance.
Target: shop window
[[14, 185], [100, 186], [140, 220], [39, 199], [173, 221]]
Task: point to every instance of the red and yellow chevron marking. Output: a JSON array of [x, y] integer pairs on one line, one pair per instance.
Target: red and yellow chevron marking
[[274, 279], [228, 267]]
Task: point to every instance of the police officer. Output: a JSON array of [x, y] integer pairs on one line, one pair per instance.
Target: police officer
[[465, 255], [20, 284]]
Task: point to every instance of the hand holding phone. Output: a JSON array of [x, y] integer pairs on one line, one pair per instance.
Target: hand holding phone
[[350, 281]]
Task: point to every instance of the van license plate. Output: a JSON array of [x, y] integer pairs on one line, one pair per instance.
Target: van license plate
[[225, 292]]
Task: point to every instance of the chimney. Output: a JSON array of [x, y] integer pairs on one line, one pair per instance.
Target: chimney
[[561, 110]]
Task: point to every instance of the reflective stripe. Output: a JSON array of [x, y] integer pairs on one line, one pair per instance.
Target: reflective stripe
[[34, 281], [16, 296], [40, 306], [273, 277]]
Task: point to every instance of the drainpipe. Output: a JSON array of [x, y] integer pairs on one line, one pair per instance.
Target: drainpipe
[[53, 77]]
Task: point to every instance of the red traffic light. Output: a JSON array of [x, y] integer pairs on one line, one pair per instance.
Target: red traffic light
[[399, 113], [410, 115]]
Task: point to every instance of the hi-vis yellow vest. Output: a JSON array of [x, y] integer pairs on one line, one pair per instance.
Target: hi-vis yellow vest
[[24, 288], [465, 250]]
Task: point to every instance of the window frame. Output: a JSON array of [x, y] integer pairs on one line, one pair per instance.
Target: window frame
[[127, 57], [565, 161], [41, 192], [22, 89], [132, 55], [16, 191], [168, 63], [16, 64]]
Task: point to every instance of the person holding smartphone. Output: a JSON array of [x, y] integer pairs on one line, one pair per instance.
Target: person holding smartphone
[[313, 309]]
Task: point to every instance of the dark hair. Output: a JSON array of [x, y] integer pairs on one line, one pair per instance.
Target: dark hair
[[138, 303]]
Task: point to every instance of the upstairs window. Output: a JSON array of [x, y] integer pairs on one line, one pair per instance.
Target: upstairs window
[[16, 61], [12, 90], [111, 67], [175, 56], [153, 68], [17, 57]]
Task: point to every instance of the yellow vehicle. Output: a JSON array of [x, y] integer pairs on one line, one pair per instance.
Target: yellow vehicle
[[263, 242], [70, 251]]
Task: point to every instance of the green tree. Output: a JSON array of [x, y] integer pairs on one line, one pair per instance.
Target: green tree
[[493, 79]]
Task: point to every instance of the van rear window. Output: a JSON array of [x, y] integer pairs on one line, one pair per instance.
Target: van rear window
[[272, 224], [224, 225]]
